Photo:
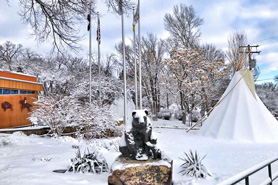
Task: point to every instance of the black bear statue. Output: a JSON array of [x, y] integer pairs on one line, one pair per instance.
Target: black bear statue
[[138, 142]]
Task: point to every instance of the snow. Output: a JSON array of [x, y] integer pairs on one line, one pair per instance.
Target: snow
[[24, 128], [118, 165], [241, 117], [224, 158], [171, 124], [16, 80], [23, 74]]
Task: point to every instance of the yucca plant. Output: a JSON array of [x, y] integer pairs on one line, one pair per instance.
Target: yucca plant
[[91, 162], [193, 166]]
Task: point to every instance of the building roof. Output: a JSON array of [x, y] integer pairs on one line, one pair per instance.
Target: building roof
[[11, 80], [18, 76]]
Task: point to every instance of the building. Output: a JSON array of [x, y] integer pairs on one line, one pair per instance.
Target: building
[[17, 94]]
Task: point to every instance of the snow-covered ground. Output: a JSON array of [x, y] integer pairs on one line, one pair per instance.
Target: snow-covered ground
[[29, 160]]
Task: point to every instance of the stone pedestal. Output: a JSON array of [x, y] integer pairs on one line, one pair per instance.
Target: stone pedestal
[[131, 172]]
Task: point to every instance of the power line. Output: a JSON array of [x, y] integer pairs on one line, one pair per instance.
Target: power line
[[269, 43], [266, 39]]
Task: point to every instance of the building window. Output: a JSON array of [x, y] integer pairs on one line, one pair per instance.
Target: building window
[[6, 91], [14, 91], [27, 92]]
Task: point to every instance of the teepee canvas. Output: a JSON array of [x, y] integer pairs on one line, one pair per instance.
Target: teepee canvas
[[241, 115]]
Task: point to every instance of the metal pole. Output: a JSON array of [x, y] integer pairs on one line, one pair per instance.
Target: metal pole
[[124, 68], [139, 48], [99, 86], [90, 55], [135, 67]]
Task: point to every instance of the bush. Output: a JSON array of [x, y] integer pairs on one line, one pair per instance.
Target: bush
[[91, 162], [193, 166], [59, 112], [4, 141], [178, 115], [165, 114]]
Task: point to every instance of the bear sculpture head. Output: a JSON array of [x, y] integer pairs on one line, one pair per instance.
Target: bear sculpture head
[[140, 119]]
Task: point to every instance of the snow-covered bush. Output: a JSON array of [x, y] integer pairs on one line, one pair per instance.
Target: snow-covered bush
[[90, 162], [178, 115], [59, 112], [4, 141], [165, 114], [55, 111], [95, 121], [193, 166]]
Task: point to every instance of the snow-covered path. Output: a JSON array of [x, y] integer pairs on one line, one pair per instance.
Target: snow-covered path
[[23, 159]]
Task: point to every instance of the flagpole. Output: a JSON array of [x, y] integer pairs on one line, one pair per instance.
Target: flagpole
[[124, 68], [135, 65], [90, 54], [98, 39], [139, 48]]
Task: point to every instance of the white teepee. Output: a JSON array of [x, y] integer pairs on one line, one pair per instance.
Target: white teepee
[[241, 115]]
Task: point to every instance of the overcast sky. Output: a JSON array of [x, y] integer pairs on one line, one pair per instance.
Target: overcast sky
[[259, 19]]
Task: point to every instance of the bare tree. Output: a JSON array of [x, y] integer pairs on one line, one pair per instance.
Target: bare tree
[[129, 57], [185, 68], [10, 53], [58, 20], [217, 73], [119, 6], [153, 51], [236, 54], [110, 65], [183, 26], [55, 20]]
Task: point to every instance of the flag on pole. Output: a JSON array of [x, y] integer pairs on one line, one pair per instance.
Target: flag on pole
[[135, 18], [89, 22], [136, 15], [133, 24], [98, 31]]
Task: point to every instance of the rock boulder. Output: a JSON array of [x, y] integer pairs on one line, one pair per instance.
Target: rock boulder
[[125, 171]]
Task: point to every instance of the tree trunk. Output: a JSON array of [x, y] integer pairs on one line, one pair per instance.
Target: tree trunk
[[155, 111], [184, 116], [167, 101]]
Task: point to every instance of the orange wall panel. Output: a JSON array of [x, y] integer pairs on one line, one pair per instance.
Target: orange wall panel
[[11, 84], [18, 76], [16, 116]]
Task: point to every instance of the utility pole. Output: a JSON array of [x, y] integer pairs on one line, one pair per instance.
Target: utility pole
[[252, 62]]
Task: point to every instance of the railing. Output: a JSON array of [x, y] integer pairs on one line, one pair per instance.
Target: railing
[[247, 173]]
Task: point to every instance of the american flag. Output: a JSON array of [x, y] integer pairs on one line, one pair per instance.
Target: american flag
[[98, 30]]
